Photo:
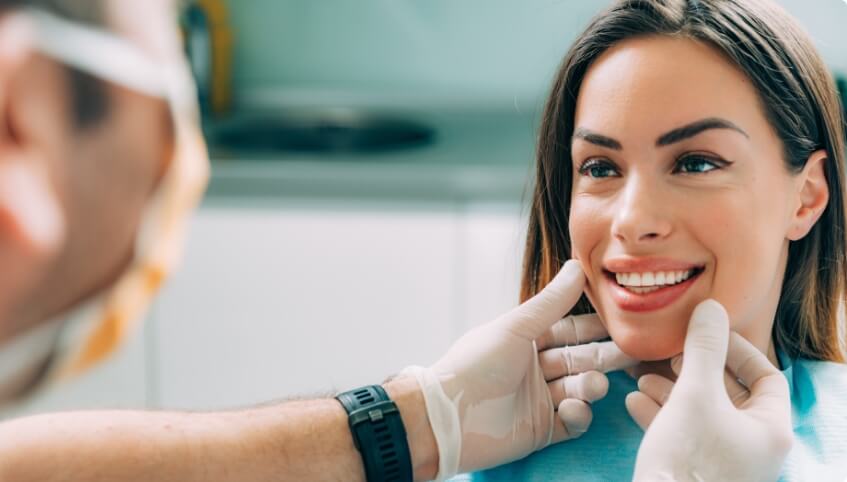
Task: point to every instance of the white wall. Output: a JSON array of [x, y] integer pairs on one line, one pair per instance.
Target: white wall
[[462, 51], [469, 50]]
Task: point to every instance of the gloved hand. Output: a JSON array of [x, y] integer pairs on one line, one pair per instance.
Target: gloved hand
[[488, 399], [694, 430]]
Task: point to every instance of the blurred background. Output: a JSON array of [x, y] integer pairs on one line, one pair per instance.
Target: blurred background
[[370, 161]]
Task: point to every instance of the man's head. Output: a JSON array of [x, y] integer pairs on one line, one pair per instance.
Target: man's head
[[79, 160]]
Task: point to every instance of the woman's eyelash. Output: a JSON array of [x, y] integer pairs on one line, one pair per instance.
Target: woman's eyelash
[[595, 167], [691, 160], [689, 164]]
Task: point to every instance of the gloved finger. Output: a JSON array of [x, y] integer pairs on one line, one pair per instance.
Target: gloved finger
[[641, 408], [574, 418], [660, 367], [746, 362], [705, 346], [573, 330], [676, 364], [588, 387], [737, 392], [536, 315], [602, 356], [768, 387], [657, 387]]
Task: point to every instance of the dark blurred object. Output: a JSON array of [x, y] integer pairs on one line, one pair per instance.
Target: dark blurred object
[[841, 82], [326, 131]]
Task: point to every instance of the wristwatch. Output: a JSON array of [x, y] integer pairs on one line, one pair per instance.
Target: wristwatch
[[378, 433]]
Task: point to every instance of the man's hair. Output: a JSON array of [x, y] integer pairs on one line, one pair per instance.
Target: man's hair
[[89, 95]]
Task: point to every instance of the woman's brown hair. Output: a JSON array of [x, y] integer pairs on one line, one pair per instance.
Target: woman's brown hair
[[799, 99]]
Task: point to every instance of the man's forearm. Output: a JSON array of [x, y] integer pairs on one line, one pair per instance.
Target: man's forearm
[[303, 440]]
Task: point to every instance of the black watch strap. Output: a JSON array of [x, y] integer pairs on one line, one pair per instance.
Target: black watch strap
[[378, 433]]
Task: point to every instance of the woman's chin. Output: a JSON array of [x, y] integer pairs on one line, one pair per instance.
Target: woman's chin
[[646, 344]]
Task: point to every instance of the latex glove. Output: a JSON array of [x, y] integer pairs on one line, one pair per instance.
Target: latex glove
[[572, 362], [694, 430], [488, 400]]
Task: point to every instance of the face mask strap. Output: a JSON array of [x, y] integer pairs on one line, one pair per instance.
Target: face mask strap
[[95, 52]]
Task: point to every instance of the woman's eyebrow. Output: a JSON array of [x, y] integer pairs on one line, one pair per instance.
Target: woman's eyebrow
[[679, 134], [691, 130], [595, 138]]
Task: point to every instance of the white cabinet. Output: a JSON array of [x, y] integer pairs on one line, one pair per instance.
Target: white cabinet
[[281, 300], [494, 235], [278, 298]]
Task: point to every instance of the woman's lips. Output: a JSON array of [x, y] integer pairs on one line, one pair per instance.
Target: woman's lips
[[655, 300]]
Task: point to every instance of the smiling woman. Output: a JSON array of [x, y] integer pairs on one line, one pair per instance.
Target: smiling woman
[[695, 145], [696, 183], [692, 150]]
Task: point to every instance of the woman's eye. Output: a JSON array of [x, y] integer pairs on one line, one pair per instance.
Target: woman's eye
[[696, 164], [598, 169]]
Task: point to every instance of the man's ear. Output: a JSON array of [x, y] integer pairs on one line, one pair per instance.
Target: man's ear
[[812, 195], [30, 214], [31, 219]]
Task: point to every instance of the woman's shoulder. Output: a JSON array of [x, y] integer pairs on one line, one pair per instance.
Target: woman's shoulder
[[820, 370], [817, 385], [819, 401]]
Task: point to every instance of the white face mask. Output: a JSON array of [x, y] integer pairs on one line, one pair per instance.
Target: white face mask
[[107, 321]]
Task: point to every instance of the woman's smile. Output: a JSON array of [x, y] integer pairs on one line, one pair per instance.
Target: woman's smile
[[648, 284]]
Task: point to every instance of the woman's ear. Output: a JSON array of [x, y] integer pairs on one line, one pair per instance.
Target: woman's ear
[[812, 195]]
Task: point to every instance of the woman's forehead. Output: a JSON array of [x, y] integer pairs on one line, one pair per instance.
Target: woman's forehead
[[657, 83]]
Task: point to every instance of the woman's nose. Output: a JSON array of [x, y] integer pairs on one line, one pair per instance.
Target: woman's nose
[[641, 214]]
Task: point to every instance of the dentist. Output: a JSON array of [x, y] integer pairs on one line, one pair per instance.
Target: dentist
[[101, 162]]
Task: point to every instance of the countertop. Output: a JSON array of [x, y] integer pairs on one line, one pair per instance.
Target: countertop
[[476, 155]]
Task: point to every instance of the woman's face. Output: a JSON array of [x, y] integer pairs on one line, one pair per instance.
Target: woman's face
[[680, 193]]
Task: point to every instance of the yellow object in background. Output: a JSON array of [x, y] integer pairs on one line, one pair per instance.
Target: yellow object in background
[[212, 59]]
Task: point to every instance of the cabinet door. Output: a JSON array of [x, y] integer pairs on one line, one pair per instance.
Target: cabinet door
[[494, 235], [276, 301]]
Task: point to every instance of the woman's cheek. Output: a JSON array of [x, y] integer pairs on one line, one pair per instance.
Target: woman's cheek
[[585, 229], [587, 234], [749, 277]]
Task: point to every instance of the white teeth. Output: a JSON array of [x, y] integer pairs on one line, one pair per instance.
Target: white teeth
[[652, 280], [643, 289]]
